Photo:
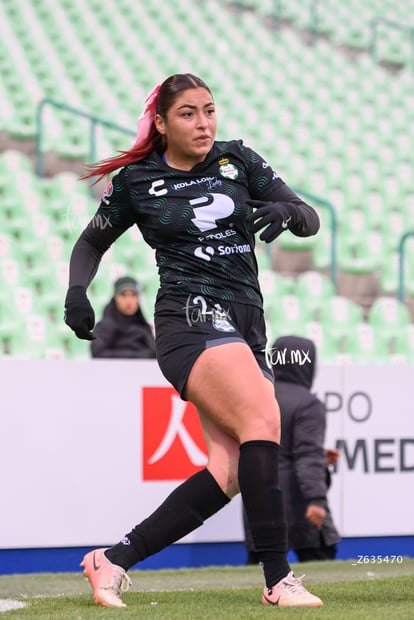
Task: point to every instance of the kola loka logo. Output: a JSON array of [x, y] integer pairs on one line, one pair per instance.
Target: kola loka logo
[[173, 441]]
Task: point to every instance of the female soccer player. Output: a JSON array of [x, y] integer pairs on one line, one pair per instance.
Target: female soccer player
[[199, 202]]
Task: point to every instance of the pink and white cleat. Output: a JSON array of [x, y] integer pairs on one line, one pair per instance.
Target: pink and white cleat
[[107, 580], [289, 592]]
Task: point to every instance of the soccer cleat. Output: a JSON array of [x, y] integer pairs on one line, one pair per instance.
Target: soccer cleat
[[289, 592], [107, 580]]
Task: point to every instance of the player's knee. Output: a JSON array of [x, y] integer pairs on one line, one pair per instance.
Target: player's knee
[[265, 426]]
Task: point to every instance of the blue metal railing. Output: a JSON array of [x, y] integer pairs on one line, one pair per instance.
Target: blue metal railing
[[94, 122], [334, 229]]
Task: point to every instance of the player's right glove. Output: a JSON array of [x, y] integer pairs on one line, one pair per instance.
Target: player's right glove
[[79, 314]]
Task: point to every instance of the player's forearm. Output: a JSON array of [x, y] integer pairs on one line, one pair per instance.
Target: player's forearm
[[87, 252]]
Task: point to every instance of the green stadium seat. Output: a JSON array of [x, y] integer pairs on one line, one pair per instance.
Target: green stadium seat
[[9, 272], [6, 245], [60, 337], [313, 290], [404, 342], [26, 337], [363, 347], [389, 275], [327, 348], [339, 315], [287, 317], [387, 316], [274, 286]]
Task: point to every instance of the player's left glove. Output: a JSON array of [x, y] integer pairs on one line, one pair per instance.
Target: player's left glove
[[274, 217]]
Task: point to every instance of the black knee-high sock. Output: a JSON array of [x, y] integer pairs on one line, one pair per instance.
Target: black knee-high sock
[[263, 503], [184, 510]]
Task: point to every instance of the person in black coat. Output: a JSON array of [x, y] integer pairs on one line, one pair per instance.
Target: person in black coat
[[304, 473], [123, 331]]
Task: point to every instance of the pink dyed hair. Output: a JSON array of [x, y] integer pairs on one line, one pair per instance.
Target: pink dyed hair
[[158, 101]]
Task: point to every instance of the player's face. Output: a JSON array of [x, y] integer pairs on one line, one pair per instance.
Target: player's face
[[189, 129], [127, 302]]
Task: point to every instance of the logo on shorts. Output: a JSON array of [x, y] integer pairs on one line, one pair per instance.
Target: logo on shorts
[[220, 320], [197, 310]]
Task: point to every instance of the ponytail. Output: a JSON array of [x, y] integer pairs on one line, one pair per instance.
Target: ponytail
[[147, 139]]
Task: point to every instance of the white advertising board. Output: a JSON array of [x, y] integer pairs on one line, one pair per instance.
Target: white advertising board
[[90, 448]]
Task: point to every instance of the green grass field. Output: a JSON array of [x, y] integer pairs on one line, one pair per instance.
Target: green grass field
[[351, 592]]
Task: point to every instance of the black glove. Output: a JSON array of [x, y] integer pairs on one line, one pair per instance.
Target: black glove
[[79, 314], [275, 216]]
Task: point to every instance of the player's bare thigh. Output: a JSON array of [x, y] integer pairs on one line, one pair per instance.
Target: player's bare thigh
[[227, 384]]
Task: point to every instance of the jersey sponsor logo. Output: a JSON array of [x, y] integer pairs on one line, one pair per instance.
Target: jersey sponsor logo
[[223, 250], [174, 447], [229, 171], [219, 235], [158, 192], [204, 253], [214, 207], [226, 250], [185, 184]]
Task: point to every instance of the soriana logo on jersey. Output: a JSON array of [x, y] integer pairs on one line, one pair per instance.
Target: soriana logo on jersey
[[173, 441]]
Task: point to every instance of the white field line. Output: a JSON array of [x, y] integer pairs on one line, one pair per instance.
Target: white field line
[[7, 604]]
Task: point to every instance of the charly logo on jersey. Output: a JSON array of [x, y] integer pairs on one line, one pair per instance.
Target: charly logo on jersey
[[227, 170], [154, 191]]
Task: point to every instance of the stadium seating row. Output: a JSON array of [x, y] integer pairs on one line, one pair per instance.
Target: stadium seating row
[[340, 130], [352, 24]]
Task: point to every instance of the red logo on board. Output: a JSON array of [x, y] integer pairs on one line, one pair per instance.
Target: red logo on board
[[173, 441]]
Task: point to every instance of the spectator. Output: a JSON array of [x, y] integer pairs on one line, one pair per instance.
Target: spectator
[[123, 331], [304, 473]]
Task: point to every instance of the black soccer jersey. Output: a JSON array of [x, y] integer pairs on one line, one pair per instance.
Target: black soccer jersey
[[196, 220]]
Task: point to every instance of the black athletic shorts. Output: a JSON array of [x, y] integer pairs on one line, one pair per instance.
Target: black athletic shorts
[[187, 325]]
